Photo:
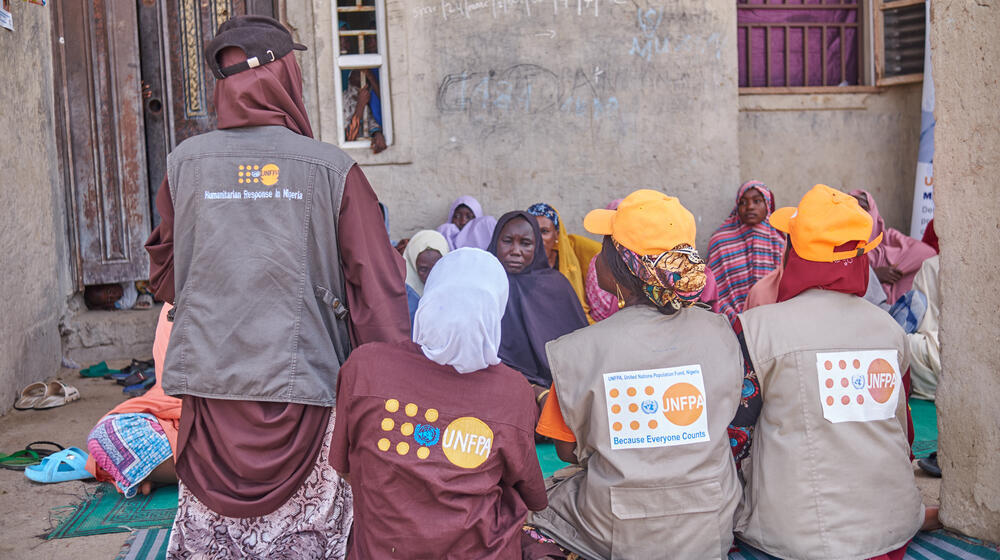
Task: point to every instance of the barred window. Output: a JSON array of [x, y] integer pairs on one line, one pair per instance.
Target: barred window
[[361, 73]]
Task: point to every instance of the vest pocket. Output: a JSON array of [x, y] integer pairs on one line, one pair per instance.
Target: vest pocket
[[667, 522]]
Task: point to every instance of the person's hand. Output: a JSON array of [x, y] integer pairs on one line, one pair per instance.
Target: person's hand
[[888, 274], [364, 96], [401, 245], [378, 142]]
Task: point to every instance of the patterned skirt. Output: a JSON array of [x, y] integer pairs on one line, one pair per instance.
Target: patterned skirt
[[313, 523]]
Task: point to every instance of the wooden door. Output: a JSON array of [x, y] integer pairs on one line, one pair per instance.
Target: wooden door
[[100, 128], [178, 88]]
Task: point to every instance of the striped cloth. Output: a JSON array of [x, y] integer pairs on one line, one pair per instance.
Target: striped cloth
[[936, 545], [741, 255]]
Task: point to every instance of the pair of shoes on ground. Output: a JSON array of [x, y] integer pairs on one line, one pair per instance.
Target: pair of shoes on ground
[[50, 394]]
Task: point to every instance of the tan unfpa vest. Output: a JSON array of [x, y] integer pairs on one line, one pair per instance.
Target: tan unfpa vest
[[829, 475], [664, 493]]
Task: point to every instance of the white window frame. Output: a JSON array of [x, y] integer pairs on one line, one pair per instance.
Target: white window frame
[[379, 61]]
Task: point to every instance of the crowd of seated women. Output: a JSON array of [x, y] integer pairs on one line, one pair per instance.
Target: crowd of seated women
[[752, 394]]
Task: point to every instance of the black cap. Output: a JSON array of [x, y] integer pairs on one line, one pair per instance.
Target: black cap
[[263, 39]]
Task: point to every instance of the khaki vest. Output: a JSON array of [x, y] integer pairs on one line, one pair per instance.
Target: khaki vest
[[260, 311], [818, 489], [674, 501]]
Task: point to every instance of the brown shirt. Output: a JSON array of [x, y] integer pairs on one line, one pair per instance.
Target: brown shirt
[[442, 465]]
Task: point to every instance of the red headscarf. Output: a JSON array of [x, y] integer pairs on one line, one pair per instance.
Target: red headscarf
[[849, 276], [267, 95]]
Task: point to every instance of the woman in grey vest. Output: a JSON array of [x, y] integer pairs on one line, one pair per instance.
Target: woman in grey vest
[[641, 402], [829, 475]]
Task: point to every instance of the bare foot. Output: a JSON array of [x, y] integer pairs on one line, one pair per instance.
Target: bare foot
[[931, 521], [145, 487]]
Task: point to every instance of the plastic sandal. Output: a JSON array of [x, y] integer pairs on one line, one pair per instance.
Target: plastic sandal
[[128, 370], [30, 396], [97, 370], [138, 377], [18, 460], [57, 394], [139, 389], [68, 464]]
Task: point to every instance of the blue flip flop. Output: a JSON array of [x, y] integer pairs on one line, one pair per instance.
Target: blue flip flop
[[68, 464]]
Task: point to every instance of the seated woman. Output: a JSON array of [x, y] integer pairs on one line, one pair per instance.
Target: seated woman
[[642, 401], [463, 210], [542, 304], [830, 473], [132, 446], [435, 436], [897, 260], [566, 253], [422, 251], [745, 247]]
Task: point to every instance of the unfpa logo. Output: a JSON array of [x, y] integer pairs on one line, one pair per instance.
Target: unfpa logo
[[881, 380], [267, 174], [683, 403]]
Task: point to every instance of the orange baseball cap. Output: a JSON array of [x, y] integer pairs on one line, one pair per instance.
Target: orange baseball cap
[[646, 222], [824, 220]]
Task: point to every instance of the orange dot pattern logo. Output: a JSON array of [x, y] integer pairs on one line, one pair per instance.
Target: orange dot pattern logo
[[656, 408], [251, 173], [408, 430], [858, 386]]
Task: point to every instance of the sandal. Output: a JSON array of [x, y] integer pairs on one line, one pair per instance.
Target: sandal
[[68, 464], [139, 389], [97, 370], [30, 455], [138, 377], [128, 370], [30, 396], [57, 394]]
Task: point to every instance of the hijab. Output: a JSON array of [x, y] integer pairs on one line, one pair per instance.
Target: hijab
[[459, 316], [570, 248], [449, 230], [897, 249], [266, 95], [423, 240], [542, 306], [849, 276], [476, 233], [740, 255]]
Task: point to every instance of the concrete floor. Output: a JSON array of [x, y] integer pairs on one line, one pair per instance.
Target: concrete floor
[[26, 505]]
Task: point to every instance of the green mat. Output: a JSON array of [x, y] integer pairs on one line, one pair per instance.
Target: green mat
[[107, 511], [925, 437], [547, 459]]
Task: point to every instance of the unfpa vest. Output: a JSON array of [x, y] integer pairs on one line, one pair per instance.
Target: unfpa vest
[[829, 475], [649, 398], [260, 309]]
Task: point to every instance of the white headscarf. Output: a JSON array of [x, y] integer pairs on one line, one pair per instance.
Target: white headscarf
[[458, 320], [420, 242]]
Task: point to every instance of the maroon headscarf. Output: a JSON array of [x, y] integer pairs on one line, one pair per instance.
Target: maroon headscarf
[[246, 458], [849, 276], [267, 95]]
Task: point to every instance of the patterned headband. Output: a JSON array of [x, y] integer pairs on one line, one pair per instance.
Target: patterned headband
[[542, 209], [675, 277]]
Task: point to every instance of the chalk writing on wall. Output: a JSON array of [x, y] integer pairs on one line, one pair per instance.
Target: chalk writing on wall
[[531, 89], [455, 9], [650, 42]]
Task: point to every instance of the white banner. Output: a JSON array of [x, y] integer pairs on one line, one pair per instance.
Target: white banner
[[923, 189]]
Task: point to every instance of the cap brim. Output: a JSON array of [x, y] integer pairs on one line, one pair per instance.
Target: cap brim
[[299, 47], [600, 222], [781, 218]]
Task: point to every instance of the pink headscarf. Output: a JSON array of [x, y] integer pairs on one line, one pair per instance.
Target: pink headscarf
[[897, 249]]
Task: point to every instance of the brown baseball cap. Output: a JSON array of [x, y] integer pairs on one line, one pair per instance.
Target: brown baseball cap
[[263, 39]]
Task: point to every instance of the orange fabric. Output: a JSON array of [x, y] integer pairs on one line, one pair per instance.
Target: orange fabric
[[166, 409], [824, 220], [646, 222], [551, 423]]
